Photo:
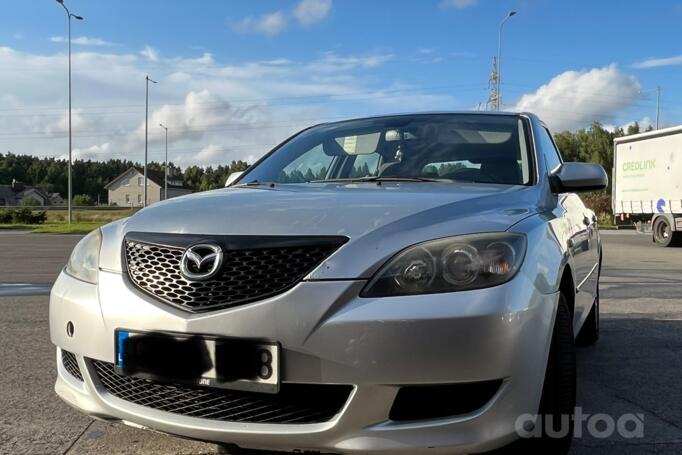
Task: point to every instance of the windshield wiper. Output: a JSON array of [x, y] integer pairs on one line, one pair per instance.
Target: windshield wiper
[[379, 179], [255, 183]]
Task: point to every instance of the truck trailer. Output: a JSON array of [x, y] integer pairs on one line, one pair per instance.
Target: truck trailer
[[647, 183]]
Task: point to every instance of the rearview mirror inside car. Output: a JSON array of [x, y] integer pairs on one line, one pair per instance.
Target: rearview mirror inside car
[[575, 177]]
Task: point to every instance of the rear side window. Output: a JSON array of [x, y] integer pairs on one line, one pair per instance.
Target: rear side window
[[552, 156]]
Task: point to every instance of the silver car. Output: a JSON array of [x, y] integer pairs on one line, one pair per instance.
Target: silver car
[[399, 284]]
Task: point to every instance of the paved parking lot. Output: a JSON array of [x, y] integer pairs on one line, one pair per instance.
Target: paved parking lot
[[635, 367]]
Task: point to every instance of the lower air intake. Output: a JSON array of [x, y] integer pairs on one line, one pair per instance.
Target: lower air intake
[[71, 364], [294, 404]]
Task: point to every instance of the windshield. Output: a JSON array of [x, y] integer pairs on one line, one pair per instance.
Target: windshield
[[435, 147]]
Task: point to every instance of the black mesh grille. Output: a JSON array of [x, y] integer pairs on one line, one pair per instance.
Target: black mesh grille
[[71, 364], [245, 276], [294, 404]]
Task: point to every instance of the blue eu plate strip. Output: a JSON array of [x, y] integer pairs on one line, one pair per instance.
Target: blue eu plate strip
[[122, 337]]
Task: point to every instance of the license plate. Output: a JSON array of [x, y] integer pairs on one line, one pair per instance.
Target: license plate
[[202, 360]]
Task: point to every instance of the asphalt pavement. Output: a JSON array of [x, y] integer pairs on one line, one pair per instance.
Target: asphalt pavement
[[634, 368]]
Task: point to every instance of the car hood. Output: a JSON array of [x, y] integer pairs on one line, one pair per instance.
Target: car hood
[[379, 220]]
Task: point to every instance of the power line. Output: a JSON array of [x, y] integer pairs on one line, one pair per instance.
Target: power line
[[221, 104]]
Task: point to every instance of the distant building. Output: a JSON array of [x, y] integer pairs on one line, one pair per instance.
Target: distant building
[[12, 195], [57, 199], [127, 190]]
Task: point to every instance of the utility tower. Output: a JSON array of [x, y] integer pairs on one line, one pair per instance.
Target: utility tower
[[492, 103]]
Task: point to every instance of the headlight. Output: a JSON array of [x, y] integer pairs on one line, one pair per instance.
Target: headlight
[[84, 261], [449, 265]]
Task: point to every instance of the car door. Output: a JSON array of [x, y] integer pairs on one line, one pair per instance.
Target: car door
[[582, 235], [587, 288], [579, 242]]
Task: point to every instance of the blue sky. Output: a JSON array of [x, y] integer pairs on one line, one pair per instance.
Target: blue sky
[[236, 77]]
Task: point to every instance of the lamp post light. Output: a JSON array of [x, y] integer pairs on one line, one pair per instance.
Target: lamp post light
[[146, 134], [69, 16], [165, 165], [499, 56]]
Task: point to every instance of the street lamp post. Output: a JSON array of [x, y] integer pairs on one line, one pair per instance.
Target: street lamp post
[[499, 56], [69, 15], [146, 134], [165, 165]]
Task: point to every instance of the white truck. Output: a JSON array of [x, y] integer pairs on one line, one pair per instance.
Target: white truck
[[647, 183]]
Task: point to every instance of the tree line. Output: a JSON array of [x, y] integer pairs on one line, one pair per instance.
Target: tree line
[[593, 144], [90, 177]]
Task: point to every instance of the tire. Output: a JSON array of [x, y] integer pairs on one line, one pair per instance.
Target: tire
[[558, 393], [664, 235], [589, 333]]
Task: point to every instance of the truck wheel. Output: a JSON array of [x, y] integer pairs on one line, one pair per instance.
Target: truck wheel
[[664, 234]]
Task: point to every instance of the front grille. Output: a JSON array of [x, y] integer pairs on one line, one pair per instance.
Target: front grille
[[247, 275], [71, 364], [294, 404]]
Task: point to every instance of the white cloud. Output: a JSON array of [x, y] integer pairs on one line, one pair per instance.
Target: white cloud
[[644, 123], [459, 4], [270, 24], [306, 12], [150, 53], [330, 61], [94, 152], [656, 62], [574, 99], [240, 110], [309, 12], [209, 155], [82, 41]]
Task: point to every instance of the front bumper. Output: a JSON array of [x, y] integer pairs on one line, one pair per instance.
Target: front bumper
[[331, 336]]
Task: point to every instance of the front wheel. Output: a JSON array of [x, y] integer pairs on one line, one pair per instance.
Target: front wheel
[[589, 333], [557, 405], [554, 425]]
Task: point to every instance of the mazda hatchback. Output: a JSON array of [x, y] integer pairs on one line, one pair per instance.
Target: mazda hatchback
[[398, 284]]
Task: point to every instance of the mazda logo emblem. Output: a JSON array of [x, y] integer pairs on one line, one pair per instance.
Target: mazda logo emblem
[[201, 261]]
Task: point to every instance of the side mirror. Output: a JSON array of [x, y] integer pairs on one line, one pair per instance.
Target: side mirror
[[232, 178], [575, 177]]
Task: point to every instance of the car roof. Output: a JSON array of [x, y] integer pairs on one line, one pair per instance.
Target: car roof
[[424, 113]]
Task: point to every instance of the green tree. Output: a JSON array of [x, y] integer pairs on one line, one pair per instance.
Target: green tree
[[30, 202], [83, 200]]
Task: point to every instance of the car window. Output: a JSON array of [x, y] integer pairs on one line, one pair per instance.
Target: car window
[[477, 148], [552, 156]]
